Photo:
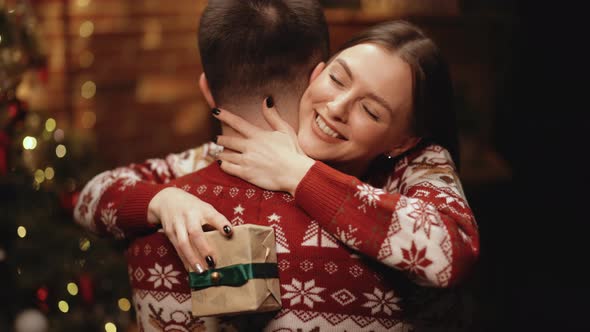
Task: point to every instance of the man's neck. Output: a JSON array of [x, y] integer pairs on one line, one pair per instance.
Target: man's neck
[[251, 111]]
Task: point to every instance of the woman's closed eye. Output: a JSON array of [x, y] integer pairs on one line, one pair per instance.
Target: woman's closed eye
[[371, 113], [336, 80]]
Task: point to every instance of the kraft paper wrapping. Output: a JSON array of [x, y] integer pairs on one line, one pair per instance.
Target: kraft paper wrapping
[[249, 244]]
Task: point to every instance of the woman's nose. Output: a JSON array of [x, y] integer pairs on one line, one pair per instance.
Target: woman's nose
[[338, 109]]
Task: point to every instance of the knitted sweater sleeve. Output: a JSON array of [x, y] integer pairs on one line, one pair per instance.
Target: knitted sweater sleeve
[[114, 203], [420, 223]]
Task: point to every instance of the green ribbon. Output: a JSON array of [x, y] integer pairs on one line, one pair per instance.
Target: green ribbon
[[233, 275]]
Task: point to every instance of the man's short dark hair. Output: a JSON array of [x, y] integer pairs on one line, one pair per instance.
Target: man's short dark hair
[[250, 46]]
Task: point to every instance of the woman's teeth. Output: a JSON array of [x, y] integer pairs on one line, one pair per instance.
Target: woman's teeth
[[324, 127]]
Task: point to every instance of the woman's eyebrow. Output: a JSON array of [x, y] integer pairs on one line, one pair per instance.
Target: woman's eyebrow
[[373, 96], [346, 68]]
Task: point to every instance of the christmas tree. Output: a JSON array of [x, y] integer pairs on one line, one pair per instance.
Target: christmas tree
[[53, 275]]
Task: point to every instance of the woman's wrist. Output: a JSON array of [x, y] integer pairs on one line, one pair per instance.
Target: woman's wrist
[[297, 172], [153, 212]]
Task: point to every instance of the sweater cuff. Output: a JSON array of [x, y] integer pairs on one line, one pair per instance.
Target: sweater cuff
[[133, 211], [322, 191]]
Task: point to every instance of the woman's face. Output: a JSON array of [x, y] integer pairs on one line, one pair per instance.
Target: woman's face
[[358, 107]]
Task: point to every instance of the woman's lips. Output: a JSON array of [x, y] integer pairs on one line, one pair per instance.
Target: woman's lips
[[324, 131]]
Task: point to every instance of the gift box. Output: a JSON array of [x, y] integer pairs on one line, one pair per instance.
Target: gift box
[[245, 278]]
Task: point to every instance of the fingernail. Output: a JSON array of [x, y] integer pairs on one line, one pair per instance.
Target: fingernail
[[216, 111], [199, 268], [227, 229], [215, 139], [210, 261], [219, 162], [270, 102]]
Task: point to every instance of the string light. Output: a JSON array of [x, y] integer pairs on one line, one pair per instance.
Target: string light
[[88, 119], [58, 136], [86, 59], [39, 176], [72, 288], [63, 306], [124, 304], [21, 231], [49, 173], [29, 143], [88, 89], [84, 244], [60, 151], [83, 3], [86, 29], [50, 124], [110, 327]]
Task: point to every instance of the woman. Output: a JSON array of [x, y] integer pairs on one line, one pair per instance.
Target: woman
[[379, 112], [390, 128]]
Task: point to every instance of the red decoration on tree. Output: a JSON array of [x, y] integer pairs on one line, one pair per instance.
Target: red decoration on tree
[[68, 200], [42, 294], [4, 145], [87, 288]]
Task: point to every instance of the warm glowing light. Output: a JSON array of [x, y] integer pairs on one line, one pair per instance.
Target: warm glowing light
[[124, 304], [63, 306], [39, 176], [86, 59], [84, 244], [86, 29], [49, 173], [110, 327], [58, 136], [72, 288], [60, 151], [88, 89], [83, 3], [21, 231], [50, 124], [88, 119], [29, 143]]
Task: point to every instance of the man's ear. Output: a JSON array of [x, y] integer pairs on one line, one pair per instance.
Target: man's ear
[[406, 145], [204, 86], [316, 71]]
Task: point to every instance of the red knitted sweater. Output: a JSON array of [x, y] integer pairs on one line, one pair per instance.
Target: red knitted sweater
[[345, 249]]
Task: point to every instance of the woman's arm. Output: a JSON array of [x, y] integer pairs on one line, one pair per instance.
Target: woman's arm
[[426, 229], [115, 203], [420, 224]]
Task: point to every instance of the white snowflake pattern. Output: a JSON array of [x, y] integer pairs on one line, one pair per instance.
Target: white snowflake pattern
[[368, 195], [108, 216], [379, 301], [348, 238], [166, 276], [160, 167], [128, 176], [307, 292]]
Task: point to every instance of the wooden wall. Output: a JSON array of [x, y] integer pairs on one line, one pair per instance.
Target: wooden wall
[[126, 72]]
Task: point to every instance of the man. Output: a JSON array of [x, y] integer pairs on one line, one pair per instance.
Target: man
[[250, 49]]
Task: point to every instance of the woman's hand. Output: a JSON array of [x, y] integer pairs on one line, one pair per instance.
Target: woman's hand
[[271, 160], [183, 216]]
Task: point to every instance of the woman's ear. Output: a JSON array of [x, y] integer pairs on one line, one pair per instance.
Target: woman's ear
[[204, 86], [316, 71], [406, 145]]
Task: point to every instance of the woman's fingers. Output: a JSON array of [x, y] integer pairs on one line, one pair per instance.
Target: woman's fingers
[[232, 169], [219, 222], [199, 242], [194, 259], [237, 123], [238, 144], [230, 157], [272, 116]]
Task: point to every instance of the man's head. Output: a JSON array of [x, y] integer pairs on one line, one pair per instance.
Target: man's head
[[255, 48]]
